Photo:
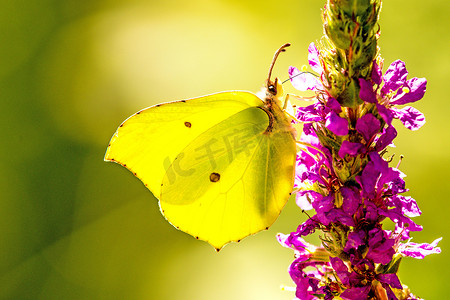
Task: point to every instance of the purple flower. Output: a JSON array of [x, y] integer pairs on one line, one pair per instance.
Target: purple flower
[[388, 281], [356, 293], [358, 285], [297, 243], [336, 124], [307, 281], [403, 224], [380, 246], [419, 250], [343, 176], [385, 139], [397, 90], [395, 81], [354, 240], [326, 114], [368, 126], [305, 81], [307, 161], [314, 166], [407, 205], [410, 117], [351, 149]]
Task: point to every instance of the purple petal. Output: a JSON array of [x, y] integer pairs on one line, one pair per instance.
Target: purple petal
[[338, 265], [388, 135], [371, 173], [303, 81], [392, 182], [323, 203], [420, 250], [366, 92], [308, 227], [313, 58], [303, 201], [390, 294], [417, 88], [376, 73], [356, 293], [350, 148], [283, 240], [309, 114], [385, 113], [308, 129], [410, 117], [390, 279], [294, 241], [395, 77], [403, 224], [379, 163], [408, 205], [341, 269], [371, 212], [355, 239], [380, 246], [381, 256], [334, 105], [351, 198], [368, 179], [368, 126], [342, 216], [336, 124]]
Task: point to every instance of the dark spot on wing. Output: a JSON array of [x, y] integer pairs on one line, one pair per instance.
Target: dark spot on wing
[[187, 124], [197, 237], [157, 105], [183, 101], [138, 112], [214, 177], [267, 228]]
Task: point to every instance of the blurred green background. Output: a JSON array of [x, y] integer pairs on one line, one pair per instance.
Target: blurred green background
[[75, 227]]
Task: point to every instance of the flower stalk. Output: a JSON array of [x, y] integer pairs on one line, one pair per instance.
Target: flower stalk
[[348, 47], [344, 172]]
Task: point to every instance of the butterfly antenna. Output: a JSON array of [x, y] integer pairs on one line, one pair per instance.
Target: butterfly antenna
[[282, 49], [298, 74]]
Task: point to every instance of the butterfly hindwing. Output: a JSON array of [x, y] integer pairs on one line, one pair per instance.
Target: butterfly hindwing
[[231, 181]]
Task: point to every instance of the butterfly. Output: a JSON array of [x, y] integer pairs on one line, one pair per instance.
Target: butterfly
[[221, 165]]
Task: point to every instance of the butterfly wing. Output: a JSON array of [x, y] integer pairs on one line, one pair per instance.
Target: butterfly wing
[[235, 178], [218, 174], [149, 140]]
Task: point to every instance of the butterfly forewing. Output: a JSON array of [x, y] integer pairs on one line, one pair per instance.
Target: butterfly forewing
[[147, 142]]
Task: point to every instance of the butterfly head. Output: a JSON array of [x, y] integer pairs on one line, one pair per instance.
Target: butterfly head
[[273, 92]]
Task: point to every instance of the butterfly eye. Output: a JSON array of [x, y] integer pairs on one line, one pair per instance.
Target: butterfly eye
[[272, 89]]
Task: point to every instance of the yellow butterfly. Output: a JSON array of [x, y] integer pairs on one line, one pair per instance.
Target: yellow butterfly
[[222, 165]]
